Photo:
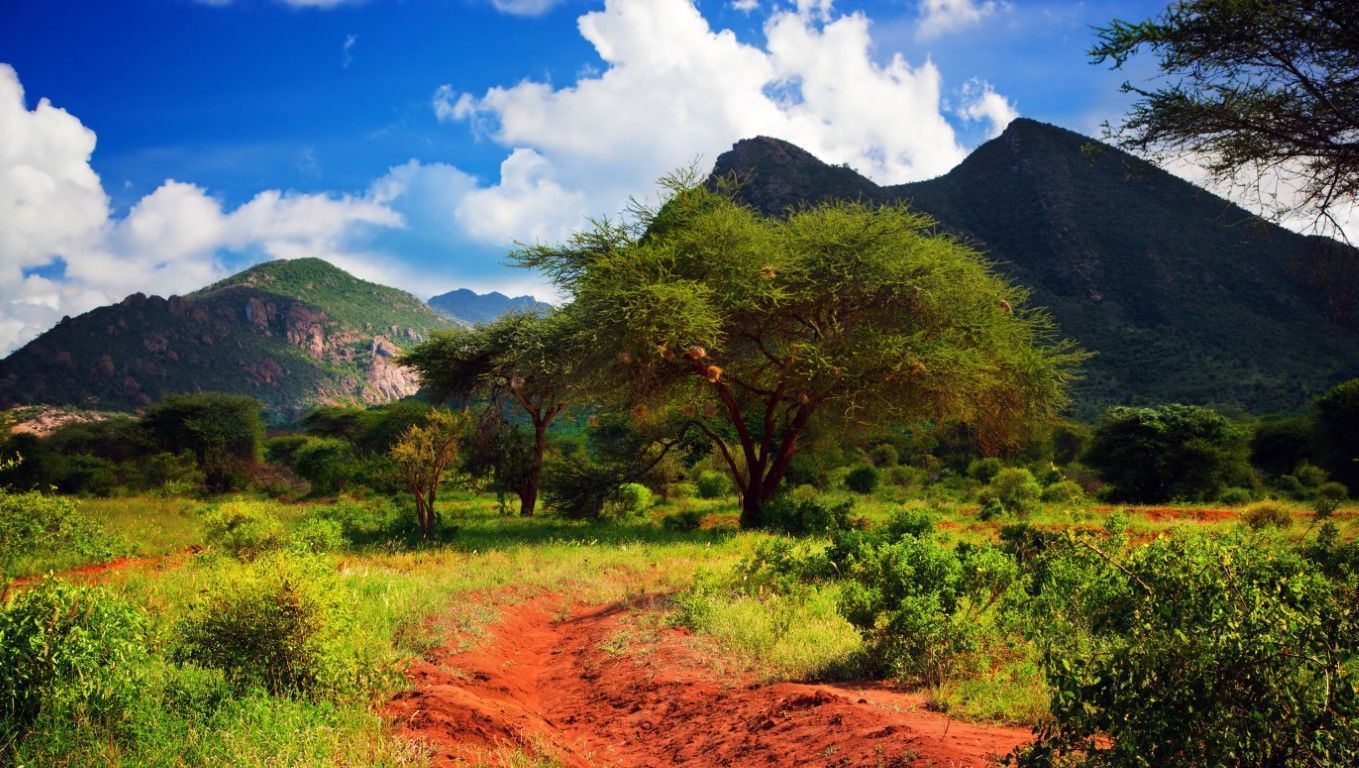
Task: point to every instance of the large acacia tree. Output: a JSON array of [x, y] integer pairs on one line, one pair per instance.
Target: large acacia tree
[[522, 362], [757, 331], [1255, 89]]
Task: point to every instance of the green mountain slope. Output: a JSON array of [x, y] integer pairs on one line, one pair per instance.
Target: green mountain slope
[[292, 333], [1182, 295]]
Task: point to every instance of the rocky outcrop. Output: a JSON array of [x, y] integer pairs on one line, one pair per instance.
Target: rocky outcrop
[[387, 379]]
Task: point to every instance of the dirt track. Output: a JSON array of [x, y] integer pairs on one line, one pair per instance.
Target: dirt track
[[576, 689]]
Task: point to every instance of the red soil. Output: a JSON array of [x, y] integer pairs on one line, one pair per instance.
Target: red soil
[[96, 571], [569, 689]]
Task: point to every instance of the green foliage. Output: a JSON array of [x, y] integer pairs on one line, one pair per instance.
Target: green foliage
[[797, 514], [224, 432], [1328, 499], [1063, 492], [1280, 444], [683, 520], [1235, 497], [243, 529], [983, 470], [713, 485], [1196, 651], [35, 525], [371, 521], [317, 535], [884, 456], [1334, 415], [422, 455], [1015, 489], [1267, 514], [904, 477], [630, 499], [328, 464], [1170, 452], [68, 654], [278, 624], [862, 479]]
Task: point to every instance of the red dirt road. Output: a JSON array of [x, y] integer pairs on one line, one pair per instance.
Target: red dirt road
[[580, 691]]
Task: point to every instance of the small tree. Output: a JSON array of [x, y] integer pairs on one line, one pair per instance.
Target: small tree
[[521, 360], [225, 433], [1334, 419], [423, 454], [759, 332], [1169, 452]]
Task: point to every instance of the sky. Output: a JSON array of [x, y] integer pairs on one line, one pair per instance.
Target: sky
[[155, 146]]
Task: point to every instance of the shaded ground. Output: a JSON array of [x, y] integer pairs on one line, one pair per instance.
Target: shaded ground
[[582, 686]]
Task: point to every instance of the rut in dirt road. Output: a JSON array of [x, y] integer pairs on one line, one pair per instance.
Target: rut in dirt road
[[562, 688]]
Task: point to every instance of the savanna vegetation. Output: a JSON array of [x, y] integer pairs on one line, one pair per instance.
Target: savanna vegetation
[[829, 446]]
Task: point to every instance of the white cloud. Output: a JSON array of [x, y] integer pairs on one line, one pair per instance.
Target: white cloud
[[525, 7], [348, 50], [674, 89], [981, 103], [939, 17], [53, 207], [745, 6]]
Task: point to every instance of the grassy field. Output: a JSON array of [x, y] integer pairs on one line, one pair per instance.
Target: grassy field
[[400, 600]]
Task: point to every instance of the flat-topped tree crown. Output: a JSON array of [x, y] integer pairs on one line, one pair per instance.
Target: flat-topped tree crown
[[756, 331]]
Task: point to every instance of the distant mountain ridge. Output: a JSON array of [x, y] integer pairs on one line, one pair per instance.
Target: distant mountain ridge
[[1182, 295], [295, 334], [472, 308]]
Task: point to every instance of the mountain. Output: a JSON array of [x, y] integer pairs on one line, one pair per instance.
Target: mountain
[[293, 333], [471, 308], [1183, 296]]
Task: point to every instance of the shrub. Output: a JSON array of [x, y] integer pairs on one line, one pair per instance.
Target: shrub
[[1235, 497], [713, 485], [990, 510], [369, 521], [326, 463], [224, 432], [862, 479], [910, 522], [1016, 490], [982, 470], [884, 456], [1267, 514], [243, 529], [579, 489], [803, 515], [1329, 497], [1334, 415], [1247, 648], [38, 525], [1309, 475], [683, 520], [1290, 486], [1171, 452], [317, 535], [629, 499], [68, 653], [1063, 492], [903, 477], [278, 624]]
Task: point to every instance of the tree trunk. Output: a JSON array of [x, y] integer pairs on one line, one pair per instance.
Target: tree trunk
[[752, 505], [528, 497]]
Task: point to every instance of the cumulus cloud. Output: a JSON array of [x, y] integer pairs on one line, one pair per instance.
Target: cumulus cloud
[[54, 214], [981, 103], [674, 89], [524, 7], [939, 17]]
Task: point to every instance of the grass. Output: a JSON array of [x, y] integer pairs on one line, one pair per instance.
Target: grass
[[408, 601]]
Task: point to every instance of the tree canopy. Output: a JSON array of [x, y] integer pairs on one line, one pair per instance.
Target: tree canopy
[[522, 359], [1254, 89], [225, 432], [758, 331]]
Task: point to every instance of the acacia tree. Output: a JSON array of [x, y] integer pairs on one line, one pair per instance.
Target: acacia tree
[[1254, 89], [522, 360], [756, 331], [423, 453]]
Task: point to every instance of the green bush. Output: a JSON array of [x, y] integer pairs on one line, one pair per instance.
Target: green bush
[[243, 529], [797, 514], [1309, 475], [1267, 514], [683, 520], [317, 535], [1154, 455], [983, 470], [862, 479], [713, 485], [628, 500], [1016, 490], [279, 624], [1329, 497], [1334, 415], [1290, 486], [36, 525], [903, 476], [327, 463], [910, 522], [1235, 497], [884, 456], [370, 521], [68, 654], [1197, 651], [1063, 492]]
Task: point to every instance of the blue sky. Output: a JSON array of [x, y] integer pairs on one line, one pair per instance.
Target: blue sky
[[413, 141]]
